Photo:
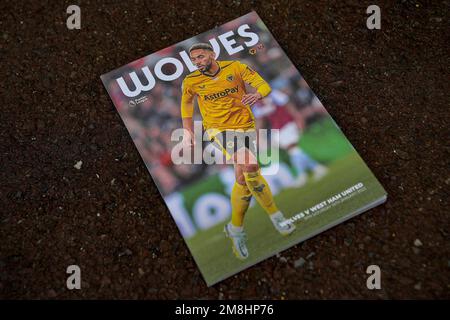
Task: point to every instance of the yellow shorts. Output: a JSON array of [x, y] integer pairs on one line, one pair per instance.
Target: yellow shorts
[[231, 140]]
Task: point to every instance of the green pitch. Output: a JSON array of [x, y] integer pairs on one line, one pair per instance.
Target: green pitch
[[212, 250]]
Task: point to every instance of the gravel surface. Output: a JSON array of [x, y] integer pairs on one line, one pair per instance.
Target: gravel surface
[[75, 191]]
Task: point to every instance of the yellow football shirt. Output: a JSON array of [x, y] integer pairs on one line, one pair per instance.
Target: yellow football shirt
[[219, 96]]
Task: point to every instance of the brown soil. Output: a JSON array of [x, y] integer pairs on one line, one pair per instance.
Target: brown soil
[[388, 90]]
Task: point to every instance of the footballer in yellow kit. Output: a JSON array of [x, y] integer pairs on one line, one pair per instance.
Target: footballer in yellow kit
[[219, 87]]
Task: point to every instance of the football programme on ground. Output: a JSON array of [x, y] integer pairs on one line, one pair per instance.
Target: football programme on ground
[[216, 93]]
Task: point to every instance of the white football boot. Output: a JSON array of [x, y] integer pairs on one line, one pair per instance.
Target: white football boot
[[300, 180], [319, 171], [282, 224], [238, 241]]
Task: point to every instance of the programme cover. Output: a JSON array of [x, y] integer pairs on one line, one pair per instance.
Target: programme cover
[[246, 157]]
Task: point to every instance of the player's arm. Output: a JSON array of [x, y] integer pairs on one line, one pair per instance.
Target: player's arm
[[253, 78], [282, 99], [187, 112], [297, 115]]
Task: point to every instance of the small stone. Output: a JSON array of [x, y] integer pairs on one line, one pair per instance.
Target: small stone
[[141, 272], [418, 286], [299, 263], [126, 252], [121, 157], [283, 260], [402, 154], [309, 256], [436, 19], [78, 165], [418, 243], [337, 83]]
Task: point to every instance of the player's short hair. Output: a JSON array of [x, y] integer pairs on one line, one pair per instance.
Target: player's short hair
[[205, 46]]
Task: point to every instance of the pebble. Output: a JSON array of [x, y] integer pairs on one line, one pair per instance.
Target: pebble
[[309, 256], [436, 19], [126, 252], [402, 154], [299, 263], [418, 243], [78, 165], [337, 83]]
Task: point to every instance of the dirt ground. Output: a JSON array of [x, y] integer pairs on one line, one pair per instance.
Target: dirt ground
[[388, 90]]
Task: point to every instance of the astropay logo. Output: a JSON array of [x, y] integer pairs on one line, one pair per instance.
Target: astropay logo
[[134, 102]]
